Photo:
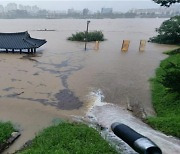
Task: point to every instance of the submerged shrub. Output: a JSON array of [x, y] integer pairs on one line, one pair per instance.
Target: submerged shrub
[[91, 36]]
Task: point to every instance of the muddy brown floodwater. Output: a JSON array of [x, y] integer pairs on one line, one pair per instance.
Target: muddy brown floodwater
[[35, 90]]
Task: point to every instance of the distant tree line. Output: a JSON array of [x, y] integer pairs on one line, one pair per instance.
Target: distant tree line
[[55, 15]]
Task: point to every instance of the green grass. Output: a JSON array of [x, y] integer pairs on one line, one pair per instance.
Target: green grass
[[166, 95], [172, 52], [69, 138], [6, 129], [91, 36]]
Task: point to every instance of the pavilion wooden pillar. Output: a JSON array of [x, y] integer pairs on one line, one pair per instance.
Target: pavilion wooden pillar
[[12, 50], [34, 50], [6, 50], [28, 51], [20, 51]]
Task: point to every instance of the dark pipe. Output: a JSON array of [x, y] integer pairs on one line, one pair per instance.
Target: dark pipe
[[138, 142]]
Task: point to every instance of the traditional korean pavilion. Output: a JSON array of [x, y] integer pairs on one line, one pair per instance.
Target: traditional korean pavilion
[[19, 41]]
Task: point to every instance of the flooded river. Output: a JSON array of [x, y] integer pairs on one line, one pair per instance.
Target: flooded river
[[55, 83]]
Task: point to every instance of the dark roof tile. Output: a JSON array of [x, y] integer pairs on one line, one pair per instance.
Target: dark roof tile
[[21, 40]]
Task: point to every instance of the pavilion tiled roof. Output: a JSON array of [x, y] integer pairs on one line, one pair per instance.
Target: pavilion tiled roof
[[20, 40]]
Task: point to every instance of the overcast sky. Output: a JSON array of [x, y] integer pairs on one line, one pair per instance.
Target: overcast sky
[[94, 5]]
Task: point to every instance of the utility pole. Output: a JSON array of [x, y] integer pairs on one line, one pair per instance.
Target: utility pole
[[86, 34]]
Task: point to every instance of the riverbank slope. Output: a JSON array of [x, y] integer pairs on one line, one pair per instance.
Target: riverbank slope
[[166, 95]]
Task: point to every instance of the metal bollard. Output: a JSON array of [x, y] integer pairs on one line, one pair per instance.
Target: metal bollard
[[138, 142]]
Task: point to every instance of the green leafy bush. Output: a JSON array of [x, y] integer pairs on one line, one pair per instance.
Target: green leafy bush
[[91, 36], [169, 32], [171, 76]]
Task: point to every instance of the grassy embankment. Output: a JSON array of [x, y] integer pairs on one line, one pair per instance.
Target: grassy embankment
[[91, 36], [166, 95], [6, 129], [67, 138]]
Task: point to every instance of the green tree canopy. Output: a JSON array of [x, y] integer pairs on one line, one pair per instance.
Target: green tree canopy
[[168, 32], [166, 2]]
